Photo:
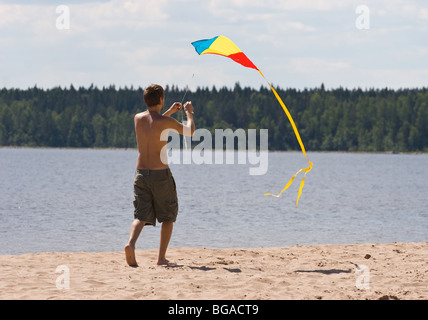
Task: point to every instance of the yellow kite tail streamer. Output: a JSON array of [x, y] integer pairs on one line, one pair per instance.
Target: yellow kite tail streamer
[[296, 132]]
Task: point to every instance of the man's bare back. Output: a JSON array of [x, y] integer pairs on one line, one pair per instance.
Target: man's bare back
[[149, 127]]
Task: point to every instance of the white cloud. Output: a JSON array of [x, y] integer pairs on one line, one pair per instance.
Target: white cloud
[[312, 5], [86, 16], [291, 5], [317, 66], [423, 14], [281, 27], [20, 15], [264, 10], [118, 14]]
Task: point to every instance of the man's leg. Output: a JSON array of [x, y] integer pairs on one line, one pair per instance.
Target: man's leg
[[166, 232], [136, 227]]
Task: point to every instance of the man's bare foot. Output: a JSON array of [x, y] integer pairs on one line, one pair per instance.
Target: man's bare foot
[[130, 256], [166, 262]]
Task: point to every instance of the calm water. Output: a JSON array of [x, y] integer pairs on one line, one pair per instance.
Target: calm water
[[81, 200]]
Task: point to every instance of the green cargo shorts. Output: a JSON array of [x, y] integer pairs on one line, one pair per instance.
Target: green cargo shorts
[[155, 196]]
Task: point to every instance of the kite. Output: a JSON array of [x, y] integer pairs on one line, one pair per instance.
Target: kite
[[223, 46]]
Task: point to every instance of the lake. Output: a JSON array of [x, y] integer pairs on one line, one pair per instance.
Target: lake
[[81, 200]]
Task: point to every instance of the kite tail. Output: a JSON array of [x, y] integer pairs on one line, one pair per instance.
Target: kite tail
[[296, 132]]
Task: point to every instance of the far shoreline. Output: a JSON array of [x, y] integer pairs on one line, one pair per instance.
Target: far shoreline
[[391, 152]]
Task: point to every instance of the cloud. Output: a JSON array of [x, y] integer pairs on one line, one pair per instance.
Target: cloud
[[132, 42], [274, 5], [86, 16], [134, 15], [316, 66], [423, 14], [48, 2]]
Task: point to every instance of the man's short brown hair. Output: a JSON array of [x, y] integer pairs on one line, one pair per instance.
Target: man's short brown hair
[[153, 94]]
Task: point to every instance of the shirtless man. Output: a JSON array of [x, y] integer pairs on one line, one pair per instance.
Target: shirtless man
[[154, 186]]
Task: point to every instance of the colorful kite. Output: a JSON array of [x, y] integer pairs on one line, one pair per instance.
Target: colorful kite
[[225, 47]]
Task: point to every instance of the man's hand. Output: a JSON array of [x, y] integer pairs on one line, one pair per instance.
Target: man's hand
[[176, 106], [188, 107]]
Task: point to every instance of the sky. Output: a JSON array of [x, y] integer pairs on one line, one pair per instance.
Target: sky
[[296, 44]]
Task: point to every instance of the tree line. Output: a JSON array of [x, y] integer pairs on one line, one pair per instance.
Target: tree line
[[328, 120]]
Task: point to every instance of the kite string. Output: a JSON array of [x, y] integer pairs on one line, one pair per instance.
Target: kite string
[[182, 113]]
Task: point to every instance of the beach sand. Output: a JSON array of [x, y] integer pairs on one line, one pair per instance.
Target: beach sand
[[354, 271]]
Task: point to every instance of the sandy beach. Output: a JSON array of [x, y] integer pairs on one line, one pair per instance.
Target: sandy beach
[[354, 271]]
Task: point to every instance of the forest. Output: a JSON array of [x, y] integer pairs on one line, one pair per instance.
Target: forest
[[370, 120]]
